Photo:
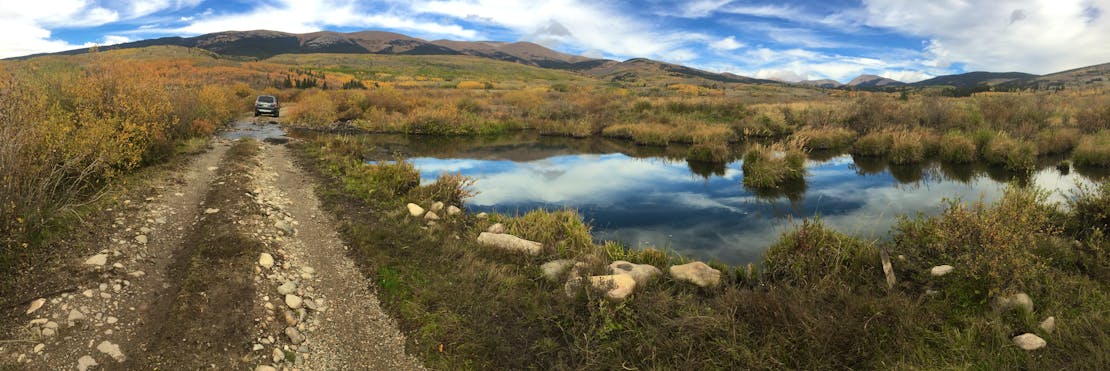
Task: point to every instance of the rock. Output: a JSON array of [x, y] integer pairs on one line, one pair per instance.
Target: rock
[[111, 350], [294, 335], [287, 288], [293, 301], [697, 273], [211, 211], [87, 293], [1029, 341], [482, 216], [497, 228], [290, 318], [431, 215], [51, 325], [941, 270], [35, 305], [85, 362], [510, 243], [436, 206], [452, 210], [1049, 324], [137, 274], [615, 287], [266, 260], [111, 320], [285, 227], [1019, 300], [415, 210], [575, 281], [97, 260], [266, 367], [39, 347], [141, 239], [642, 273], [75, 315], [553, 270], [277, 355], [48, 332]]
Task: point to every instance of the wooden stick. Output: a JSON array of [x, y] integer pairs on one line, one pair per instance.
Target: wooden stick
[[887, 269]]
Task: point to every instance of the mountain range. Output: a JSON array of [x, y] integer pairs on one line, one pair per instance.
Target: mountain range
[[262, 44]]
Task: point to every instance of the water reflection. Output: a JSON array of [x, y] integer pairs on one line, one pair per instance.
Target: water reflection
[[650, 197]]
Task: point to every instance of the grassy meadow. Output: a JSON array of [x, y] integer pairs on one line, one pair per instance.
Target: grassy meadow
[[75, 125]]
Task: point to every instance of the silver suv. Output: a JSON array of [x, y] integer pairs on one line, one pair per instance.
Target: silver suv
[[267, 104]]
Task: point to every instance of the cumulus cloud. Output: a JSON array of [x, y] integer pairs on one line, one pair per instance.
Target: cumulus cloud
[[728, 43], [28, 26]]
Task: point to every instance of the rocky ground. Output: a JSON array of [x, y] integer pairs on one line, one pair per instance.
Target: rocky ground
[[230, 263]]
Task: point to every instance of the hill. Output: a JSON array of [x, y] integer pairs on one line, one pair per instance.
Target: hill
[[978, 78], [873, 82], [827, 84], [1085, 77], [647, 70]]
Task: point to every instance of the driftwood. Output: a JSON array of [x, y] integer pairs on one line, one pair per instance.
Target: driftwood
[[888, 269]]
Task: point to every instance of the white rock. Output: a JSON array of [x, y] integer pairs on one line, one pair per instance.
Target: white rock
[[285, 227], [87, 293], [436, 206], [39, 347], [1049, 324], [510, 243], [211, 211], [85, 362], [497, 228], [452, 210], [266, 260], [431, 215], [111, 320], [482, 215], [293, 301], [697, 273], [112, 350], [48, 332], [287, 288], [75, 315], [35, 305], [137, 274], [615, 287], [277, 356], [294, 335], [553, 270], [266, 367], [97, 260], [642, 273], [415, 210], [941, 270], [1029, 341], [141, 239]]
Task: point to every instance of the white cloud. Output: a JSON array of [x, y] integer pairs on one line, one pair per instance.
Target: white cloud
[[725, 44], [1037, 36]]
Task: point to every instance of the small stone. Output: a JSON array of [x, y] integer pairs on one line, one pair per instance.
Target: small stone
[[87, 293], [48, 332], [941, 270], [287, 288], [436, 206], [211, 211], [137, 274], [277, 355], [697, 273], [111, 320], [415, 210], [642, 273], [97, 260], [51, 325], [1022, 300], [75, 315], [294, 335], [266, 260], [1029, 341], [497, 228], [1049, 324], [615, 287], [141, 239], [452, 210], [431, 215], [39, 347], [35, 305], [293, 301], [553, 270], [265, 368], [257, 347], [85, 362], [117, 266], [112, 350], [290, 318]]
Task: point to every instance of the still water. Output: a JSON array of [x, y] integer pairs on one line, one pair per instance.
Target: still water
[[652, 197]]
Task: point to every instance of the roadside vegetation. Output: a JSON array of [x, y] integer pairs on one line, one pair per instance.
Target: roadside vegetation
[[818, 300]]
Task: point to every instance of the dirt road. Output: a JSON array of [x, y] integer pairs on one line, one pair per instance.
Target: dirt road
[[230, 265]]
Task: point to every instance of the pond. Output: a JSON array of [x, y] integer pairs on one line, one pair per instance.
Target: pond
[[652, 197]]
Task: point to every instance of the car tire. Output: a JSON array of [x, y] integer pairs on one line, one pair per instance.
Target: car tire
[[276, 113], [256, 113]]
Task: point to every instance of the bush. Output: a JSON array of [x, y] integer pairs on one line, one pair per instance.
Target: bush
[[314, 108], [825, 138], [564, 230], [715, 152], [1057, 141], [875, 144], [1093, 150], [812, 255], [1013, 154], [907, 147], [957, 148], [773, 166]]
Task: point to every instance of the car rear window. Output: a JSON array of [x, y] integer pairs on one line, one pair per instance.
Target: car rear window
[[266, 99]]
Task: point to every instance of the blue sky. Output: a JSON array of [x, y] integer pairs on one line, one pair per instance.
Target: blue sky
[[834, 39]]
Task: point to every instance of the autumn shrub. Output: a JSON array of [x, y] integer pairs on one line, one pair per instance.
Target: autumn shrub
[[1093, 150], [709, 151], [1054, 141], [472, 85], [825, 138], [874, 144], [563, 230], [642, 134], [908, 147], [813, 255], [1013, 154], [957, 148], [772, 166], [314, 108]]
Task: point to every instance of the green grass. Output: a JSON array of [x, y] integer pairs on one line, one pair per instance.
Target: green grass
[[956, 148], [772, 166], [875, 144], [1013, 154]]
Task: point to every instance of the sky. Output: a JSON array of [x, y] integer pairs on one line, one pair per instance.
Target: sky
[[907, 40]]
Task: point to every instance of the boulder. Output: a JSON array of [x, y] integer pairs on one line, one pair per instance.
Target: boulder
[[642, 273], [497, 228], [436, 206], [415, 210], [1049, 324], [616, 286], [510, 243], [575, 281], [431, 215], [553, 270], [941, 270], [697, 273], [1029, 341], [452, 210]]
